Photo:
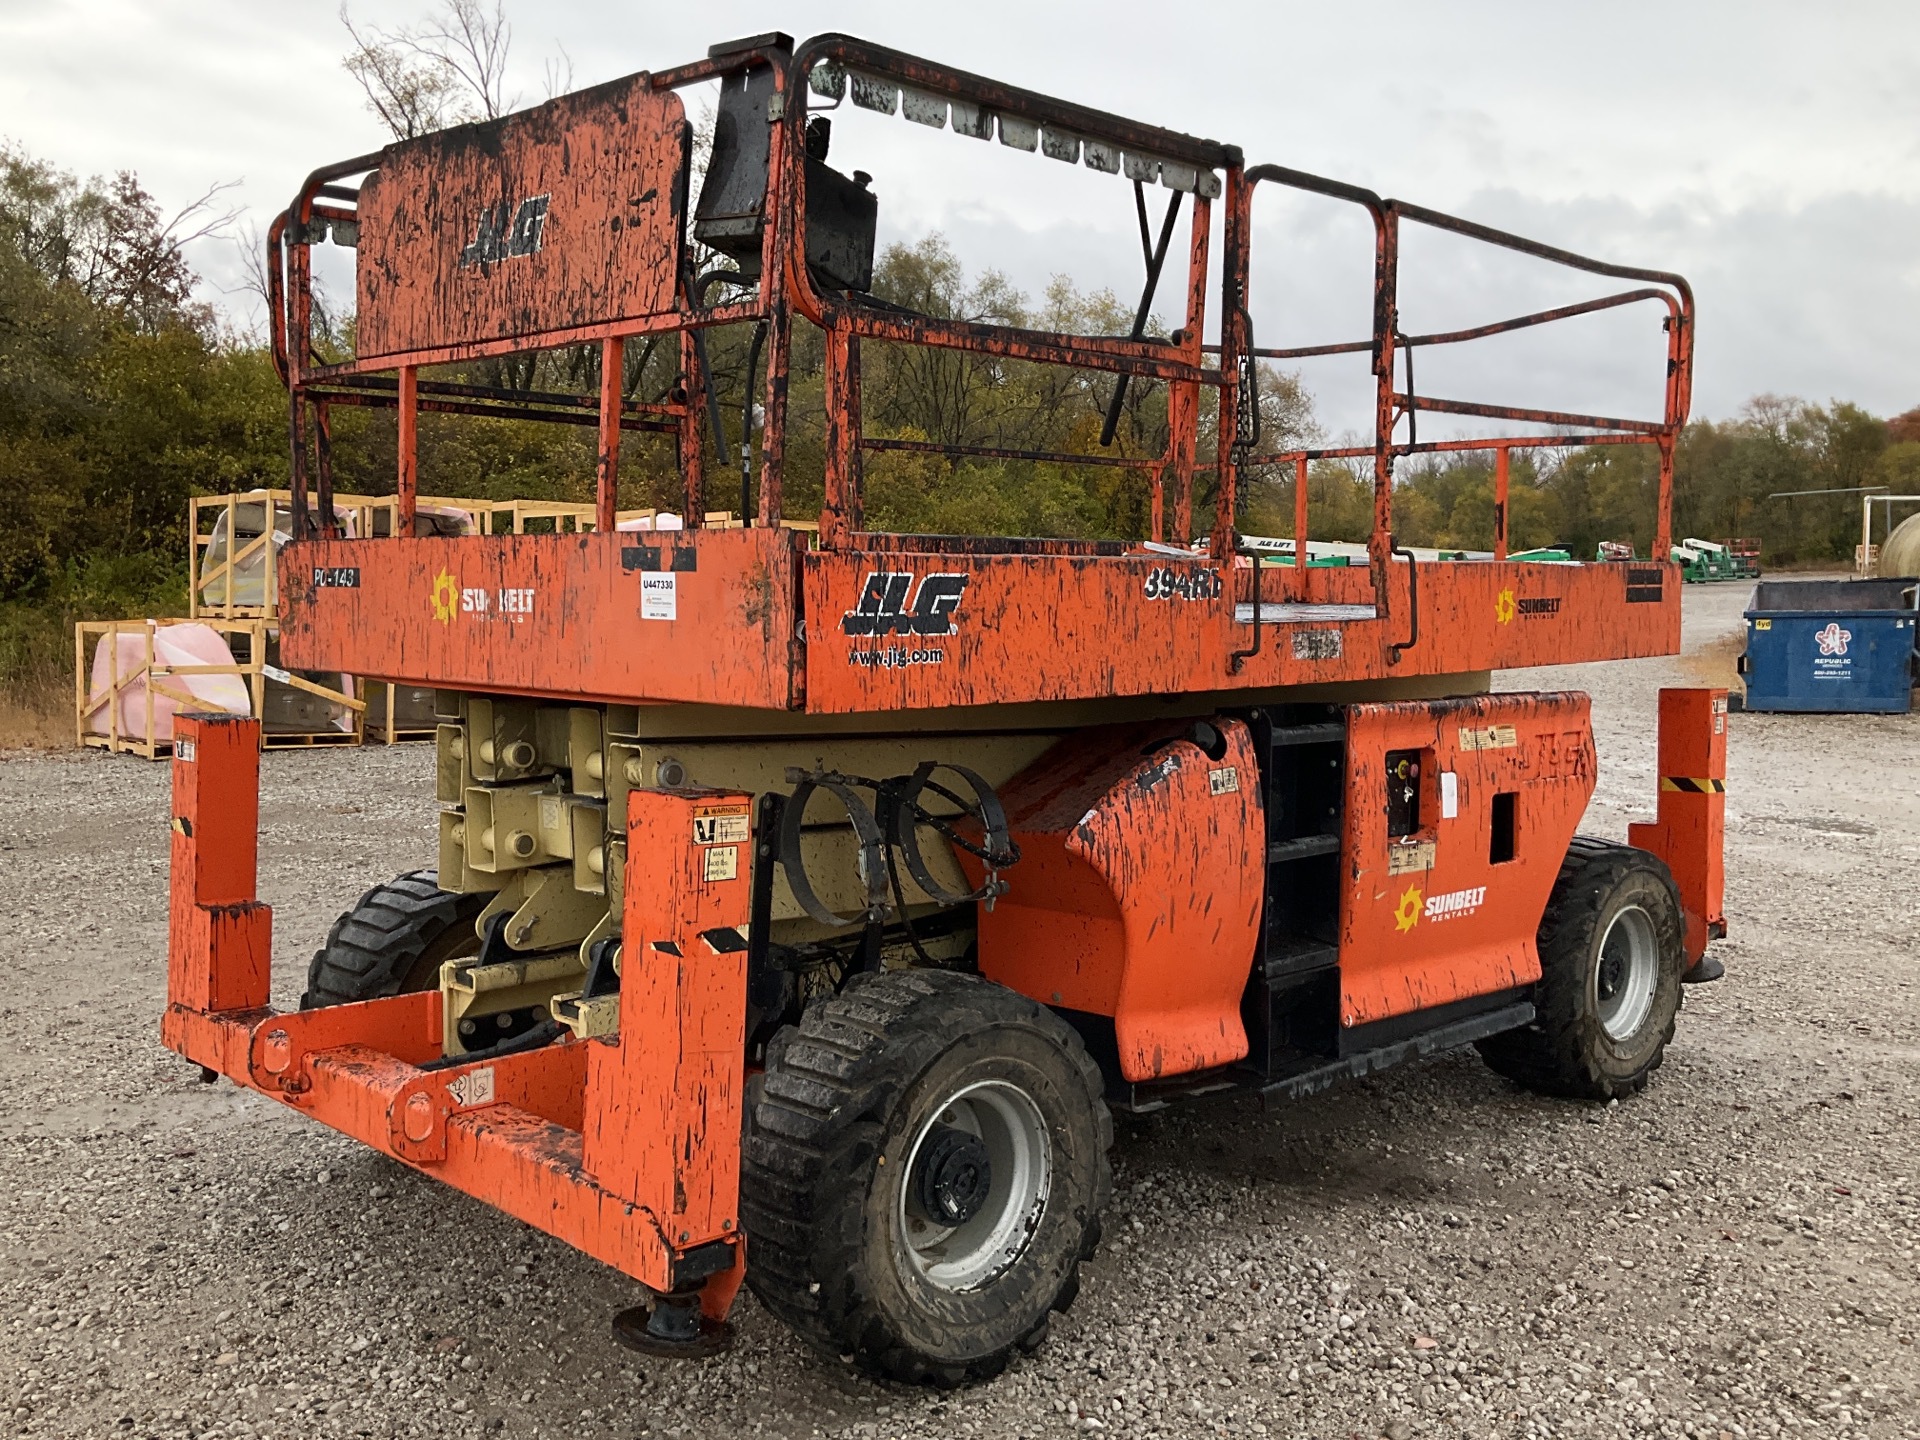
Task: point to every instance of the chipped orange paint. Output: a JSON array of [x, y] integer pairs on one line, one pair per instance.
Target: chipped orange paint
[[558, 615], [214, 853], [562, 616], [664, 1100], [1690, 826], [558, 217], [656, 1159], [1139, 890], [1446, 922]]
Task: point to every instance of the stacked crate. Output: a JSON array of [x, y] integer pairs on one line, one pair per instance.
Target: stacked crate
[[131, 676]]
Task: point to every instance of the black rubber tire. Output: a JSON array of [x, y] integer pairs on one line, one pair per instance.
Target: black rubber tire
[[829, 1126], [1566, 1051], [392, 941]]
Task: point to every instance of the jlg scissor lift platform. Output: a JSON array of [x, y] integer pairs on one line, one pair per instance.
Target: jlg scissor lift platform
[[804, 902]]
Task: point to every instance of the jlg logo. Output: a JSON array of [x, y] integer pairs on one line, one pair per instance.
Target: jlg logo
[[889, 605], [502, 238]]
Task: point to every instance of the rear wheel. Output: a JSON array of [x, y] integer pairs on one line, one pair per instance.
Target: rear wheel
[[1610, 965], [393, 940], [926, 1158]]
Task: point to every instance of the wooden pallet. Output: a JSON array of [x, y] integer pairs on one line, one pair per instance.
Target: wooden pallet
[[382, 722], [255, 672]]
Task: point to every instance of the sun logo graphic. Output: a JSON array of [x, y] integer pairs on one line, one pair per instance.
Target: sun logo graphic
[[1408, 914], [446, 597], [1504, 607]]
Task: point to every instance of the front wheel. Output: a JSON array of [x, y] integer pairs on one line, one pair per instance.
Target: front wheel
[[392, 941], [926, 1158], [1610, 963]]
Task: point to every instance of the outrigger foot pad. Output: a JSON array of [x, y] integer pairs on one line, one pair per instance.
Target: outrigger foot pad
[[1704, 969], [673, 1328]]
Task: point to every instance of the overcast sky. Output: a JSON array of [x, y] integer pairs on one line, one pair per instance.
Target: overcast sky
[[1770, 152]]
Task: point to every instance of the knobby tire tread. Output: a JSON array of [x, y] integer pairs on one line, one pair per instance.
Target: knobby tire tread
[[1551, 1056], [816, 1117], [372, 948]]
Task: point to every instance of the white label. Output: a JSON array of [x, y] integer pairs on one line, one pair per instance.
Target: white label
[[723, 862], [473, 1088], [184, 751], [720, 829], [659, 596], [1315, 644], [274, 672], [1225, 780], [1449, 795]]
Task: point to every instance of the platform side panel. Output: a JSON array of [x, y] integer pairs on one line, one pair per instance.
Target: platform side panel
[[676, 615], [565, 215], [1446, 880], [901, 629]]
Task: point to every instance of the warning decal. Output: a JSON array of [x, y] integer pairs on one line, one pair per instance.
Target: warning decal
[[721, 825]]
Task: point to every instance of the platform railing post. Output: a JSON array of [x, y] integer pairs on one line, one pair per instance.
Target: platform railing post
[[692, 444], [1299, 513], [843, 511], [407, 481], [1502, 466], [1663, 506], [607, 488]]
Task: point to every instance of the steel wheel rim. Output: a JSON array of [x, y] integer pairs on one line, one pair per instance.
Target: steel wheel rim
[[1004, 1119], [1627, 974]]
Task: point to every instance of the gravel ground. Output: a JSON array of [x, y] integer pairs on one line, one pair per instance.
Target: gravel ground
[[1429, 1252]]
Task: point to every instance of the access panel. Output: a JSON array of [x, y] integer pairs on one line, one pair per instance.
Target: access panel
[[1458, 814]]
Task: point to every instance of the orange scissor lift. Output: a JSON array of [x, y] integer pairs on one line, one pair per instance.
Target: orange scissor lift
[[692, 991]]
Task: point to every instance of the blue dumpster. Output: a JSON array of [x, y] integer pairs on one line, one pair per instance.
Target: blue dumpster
[[1830, 645]]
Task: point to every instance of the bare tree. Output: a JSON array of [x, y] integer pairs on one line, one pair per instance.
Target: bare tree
[[472, 42], [450, 70], [559, 72]]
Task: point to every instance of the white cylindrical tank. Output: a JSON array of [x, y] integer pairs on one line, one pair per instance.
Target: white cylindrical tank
[[1900, 551]]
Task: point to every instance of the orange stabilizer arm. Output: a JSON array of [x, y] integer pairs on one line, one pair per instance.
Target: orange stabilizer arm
[[628, 1149], [666, 1100], [1689, 834], [219, 937]]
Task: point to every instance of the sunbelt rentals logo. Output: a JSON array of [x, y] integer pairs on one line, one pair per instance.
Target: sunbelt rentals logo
[[512, 603], [1453, 905]]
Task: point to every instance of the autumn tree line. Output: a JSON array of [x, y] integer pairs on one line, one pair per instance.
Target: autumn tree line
[[121, 397]]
